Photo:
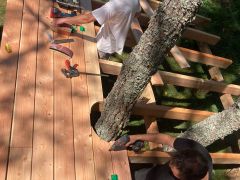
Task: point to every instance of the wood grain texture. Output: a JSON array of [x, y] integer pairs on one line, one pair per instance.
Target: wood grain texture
[[64, 165], [150, 121], [156, 80], [179, 58], [84, 162], [100, 147], [167, 112], [25, 85], [215, 73], [19, 164], [201, 36], [8, 71], [42, 160], [198, 83]]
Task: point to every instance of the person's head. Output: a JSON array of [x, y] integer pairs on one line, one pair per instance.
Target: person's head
[[188, 165]]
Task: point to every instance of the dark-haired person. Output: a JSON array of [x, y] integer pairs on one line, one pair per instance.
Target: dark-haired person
[[115, 18], [191, 161]]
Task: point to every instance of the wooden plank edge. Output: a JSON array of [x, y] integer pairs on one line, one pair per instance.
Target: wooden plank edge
[[167, 112]]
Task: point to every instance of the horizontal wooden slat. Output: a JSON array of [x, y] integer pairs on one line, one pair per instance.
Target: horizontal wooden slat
[[198, 83], [204, 58], [110, 67], [179, 58], [201, 36], [114, 68], [162, 157], [153, 110], [178, 79]]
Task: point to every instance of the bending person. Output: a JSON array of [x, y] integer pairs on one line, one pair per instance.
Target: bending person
[[191, 161], [115, 18]]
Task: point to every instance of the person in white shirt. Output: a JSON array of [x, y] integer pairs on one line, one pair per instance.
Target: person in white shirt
[[115, 18]]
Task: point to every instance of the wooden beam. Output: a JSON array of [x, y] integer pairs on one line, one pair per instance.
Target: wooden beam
[[19, 163], [110, 67], [8, 61], [179, 58], [170, 112], [178, 79], [204, 58], [136, 30], [114, 68], [198, 83], [192, 55], [150, 122], [163, 157], [215, 74], [159, 111], [156, 80], [23, 118], [201, 36], [146, 8]]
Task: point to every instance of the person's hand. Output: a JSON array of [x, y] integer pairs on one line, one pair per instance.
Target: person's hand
[[58, 21], [133, 139]]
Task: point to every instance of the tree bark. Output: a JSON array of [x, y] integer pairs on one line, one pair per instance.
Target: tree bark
[[164, 29], [216, 126]]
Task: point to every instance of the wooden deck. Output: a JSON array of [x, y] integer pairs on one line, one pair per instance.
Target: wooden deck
[[45, 130]]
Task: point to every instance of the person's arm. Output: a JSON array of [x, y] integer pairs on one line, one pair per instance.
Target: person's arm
[[80, 19], [155, 138]]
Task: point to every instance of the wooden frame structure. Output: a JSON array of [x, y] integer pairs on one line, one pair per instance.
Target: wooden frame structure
[[45, 118], [155, 111]]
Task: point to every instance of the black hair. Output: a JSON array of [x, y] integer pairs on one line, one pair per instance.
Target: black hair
[[190, 163]]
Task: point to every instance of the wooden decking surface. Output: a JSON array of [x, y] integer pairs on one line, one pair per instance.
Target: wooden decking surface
[[45, 130]]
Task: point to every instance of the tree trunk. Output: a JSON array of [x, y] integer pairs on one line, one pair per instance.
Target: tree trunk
[[164, 29], [216, 126]]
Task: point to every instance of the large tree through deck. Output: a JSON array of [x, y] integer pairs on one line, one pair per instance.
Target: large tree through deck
[[165, 28]]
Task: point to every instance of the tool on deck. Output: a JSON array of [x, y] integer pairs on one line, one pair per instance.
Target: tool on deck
[[8, 48], [75, 4], [57, 41], [61, 49], [122, 141], [71, 71], [114, 177], [82, 29], [57, 13]]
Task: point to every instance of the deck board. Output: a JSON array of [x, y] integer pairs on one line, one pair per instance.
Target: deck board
[[84, 161], [8, 63], [19, 164], [25, 85], [113, 162], [42, 160], [100, 148], [64, 167]]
